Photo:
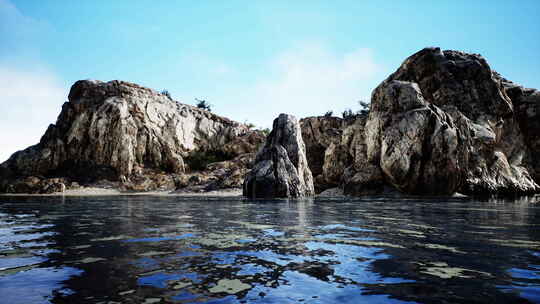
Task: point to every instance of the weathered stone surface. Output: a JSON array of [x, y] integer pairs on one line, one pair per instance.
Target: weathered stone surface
[[230, 174], [281, 168], [338, 153], [119, 129], [36, 185], [361, 177], [318, 134], [443, 123], [527, 108], [249, 142]]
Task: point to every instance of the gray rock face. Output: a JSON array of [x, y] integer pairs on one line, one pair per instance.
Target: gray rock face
[[361, 177], [281, 168], [319, 134], [36, 185], [337, 150], [527, 108], [443, 123], [116, 128]]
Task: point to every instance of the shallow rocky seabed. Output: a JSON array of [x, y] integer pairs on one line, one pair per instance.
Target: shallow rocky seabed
[[152, 249]]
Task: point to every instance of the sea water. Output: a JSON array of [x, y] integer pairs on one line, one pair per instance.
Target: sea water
[[164, 249]]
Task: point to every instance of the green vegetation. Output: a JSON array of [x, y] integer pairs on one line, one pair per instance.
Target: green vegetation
[[364, 111], [166, 93], [265, 131], [249, 125], [328, 114], [198, 160], [348, 113], [203, 104], [365, 107]]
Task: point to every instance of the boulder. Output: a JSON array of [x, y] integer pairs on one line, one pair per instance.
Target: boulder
[[37, 185], [443, 123], [281, 168]]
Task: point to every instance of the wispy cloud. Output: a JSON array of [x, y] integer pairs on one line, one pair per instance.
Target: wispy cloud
[[30, 101], [31, 94], [20, 35], [306, 81]]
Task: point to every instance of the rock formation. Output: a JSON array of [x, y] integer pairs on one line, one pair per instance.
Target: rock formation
[[526, 104], [337, 152], [318, 134], [443, 123], [281, 168], [119, 130]]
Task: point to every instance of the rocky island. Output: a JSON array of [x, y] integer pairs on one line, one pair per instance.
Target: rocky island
[[444, 122]]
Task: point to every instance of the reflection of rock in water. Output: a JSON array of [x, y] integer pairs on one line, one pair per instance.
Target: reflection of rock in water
[[184, 249]]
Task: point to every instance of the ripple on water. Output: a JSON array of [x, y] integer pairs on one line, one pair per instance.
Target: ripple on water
[[159, 239], [161, 279], [528, 291], [344, 227], [7, 263], [299, 287], [274, 252], [184, 296], [35, 285], [158, 280], [525, 273], [353, 262]]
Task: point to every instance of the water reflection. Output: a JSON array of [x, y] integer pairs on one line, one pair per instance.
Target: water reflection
[[229, 250]]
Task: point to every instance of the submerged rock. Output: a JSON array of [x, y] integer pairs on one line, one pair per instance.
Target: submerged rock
[[281, 168]]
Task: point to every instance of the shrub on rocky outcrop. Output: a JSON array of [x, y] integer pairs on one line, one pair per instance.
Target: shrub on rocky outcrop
[[199, 160], [204, 105]]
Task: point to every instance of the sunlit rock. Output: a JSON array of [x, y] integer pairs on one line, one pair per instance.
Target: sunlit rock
[[281, 168]]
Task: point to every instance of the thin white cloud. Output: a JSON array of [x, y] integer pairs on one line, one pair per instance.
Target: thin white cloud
[[306, 81], [30, 101], [20, 34], [31, 95]]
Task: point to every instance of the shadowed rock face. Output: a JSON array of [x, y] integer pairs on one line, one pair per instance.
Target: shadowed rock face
[[117, 128], [336, 149], [443, 123], [319, 134], [527, 107], [281, 168]]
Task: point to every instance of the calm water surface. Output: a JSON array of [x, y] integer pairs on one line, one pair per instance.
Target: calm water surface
[[229, 250]]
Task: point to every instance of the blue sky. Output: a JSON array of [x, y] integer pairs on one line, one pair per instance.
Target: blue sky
[[251, 59]]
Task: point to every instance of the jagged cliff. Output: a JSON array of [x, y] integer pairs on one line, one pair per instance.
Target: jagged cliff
[[116, 130], [444, 122]]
